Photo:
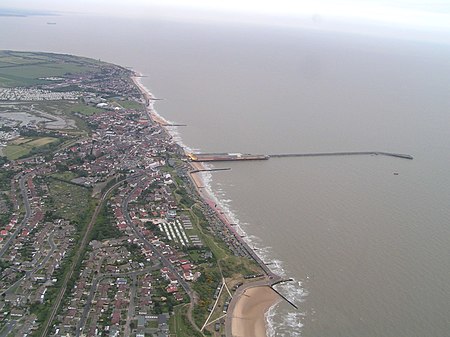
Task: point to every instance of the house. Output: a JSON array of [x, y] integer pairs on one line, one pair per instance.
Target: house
[[188, 276], [171, 289], [115, 319]]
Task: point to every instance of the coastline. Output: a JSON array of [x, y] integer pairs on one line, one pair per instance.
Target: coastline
[[247, 314], [149, 99]]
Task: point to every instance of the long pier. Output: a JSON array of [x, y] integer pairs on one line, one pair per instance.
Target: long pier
[[173, 124], [211, 170], [355, 153], [212, 157]]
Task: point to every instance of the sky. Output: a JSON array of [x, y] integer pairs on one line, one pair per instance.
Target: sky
[[416, 14]]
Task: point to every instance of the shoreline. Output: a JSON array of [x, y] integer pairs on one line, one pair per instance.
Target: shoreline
[[250, 304]]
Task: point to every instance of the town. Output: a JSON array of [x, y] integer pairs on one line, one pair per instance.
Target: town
[[103, 232]]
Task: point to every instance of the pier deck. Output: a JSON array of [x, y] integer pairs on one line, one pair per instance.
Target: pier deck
[[355, 153], [209, 157], [214, 157]]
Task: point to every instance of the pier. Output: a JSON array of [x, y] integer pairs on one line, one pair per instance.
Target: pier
[[211, 170], [356, 153], [209, 157], [217, 157], [173, 124]]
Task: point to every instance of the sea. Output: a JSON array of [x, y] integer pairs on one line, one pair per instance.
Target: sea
[[365, 238]]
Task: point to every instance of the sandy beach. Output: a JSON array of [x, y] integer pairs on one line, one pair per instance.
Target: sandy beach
[[196, 177], [248, 316], [149, 98]]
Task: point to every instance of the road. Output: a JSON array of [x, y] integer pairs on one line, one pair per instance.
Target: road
[[161, 257], [26, 202], [39, 266], [94, 286], [8, 328], [193, 297], [130, 316], [76, 259], [49, 254]]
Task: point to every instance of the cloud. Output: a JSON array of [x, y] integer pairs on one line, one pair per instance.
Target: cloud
[[408, 13]]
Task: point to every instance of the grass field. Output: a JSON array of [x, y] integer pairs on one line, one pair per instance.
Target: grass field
[[85, 109], [179, 325], [26, 68], [13, 152], [22, 146], [41, 141], [132, 105], [30, 74], [67, 175], [20, 140]]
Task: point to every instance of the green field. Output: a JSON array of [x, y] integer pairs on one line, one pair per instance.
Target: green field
[[20, 140], [66, 175], [131, 105], [23, 146], [179, 325], [14, 152], [26, 68], [85, 109]]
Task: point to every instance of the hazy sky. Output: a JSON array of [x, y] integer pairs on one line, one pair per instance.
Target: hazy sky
[[421, 14]]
